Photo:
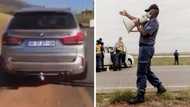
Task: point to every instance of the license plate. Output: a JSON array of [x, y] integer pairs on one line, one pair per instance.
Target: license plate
[[41, 43]]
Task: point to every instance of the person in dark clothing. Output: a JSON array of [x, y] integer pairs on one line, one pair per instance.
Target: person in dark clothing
[[102, 52], [124, 58], [113, 59], [118, 60], [176, 57], [148, 32], [98, 57], [119, 48]]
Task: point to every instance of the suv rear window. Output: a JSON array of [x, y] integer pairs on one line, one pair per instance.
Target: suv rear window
[[43, 20]]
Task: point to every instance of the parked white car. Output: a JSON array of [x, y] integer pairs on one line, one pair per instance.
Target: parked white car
[[107, 58]]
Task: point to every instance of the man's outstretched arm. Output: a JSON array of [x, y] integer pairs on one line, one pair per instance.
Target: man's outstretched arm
[[125, 13]]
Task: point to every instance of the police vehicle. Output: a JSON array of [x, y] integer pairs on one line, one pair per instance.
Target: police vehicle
[[109, 51]]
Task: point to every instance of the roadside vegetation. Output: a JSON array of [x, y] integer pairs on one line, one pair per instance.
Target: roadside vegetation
[[84, 17], [119, 99], [4, 18], [6, 9], [168, 61]]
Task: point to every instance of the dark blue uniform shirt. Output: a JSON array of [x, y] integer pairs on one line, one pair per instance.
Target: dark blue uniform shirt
[[151, 27]]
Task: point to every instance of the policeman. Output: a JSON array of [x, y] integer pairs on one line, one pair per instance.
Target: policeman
[[102, 52], [119, 47], [98, 56], [148, 32]]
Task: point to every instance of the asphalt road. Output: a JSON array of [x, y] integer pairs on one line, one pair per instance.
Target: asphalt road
[[173, 77], [31, 92]]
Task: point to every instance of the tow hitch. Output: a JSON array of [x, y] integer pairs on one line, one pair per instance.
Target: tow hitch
[[42, 77]]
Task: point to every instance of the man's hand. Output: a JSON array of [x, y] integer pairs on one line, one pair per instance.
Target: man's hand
[[136, 21], [123, 13], [140, 28]]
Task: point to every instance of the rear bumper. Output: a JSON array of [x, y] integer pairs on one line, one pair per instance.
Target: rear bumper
[[75, 67]]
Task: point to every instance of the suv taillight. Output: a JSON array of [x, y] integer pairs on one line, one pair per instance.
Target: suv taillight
[[11, 40], [76, 39]]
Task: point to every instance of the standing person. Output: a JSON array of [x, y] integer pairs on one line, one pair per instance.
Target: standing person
[[176, 57], [124, 57], [98, 56], [119, 47], [102, 52], [148, 32], [113, 58]]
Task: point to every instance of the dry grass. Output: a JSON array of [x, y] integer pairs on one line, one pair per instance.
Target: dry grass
[[4, 18], [168, 61], [119, 99]]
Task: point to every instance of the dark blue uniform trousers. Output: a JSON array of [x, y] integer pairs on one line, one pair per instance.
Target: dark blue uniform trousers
[[144, 72], [98, 62]]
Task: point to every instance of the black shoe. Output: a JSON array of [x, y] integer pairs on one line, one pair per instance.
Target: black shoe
[[161, 90], [125, 65], [136, 100]]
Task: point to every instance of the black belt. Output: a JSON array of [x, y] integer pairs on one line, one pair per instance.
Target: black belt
[[143, 44]]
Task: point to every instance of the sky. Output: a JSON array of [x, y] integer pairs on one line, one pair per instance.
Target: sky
[[75, 5], [174, 19]]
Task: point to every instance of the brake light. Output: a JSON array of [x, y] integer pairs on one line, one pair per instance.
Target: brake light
[[11, 40], [76, 39]]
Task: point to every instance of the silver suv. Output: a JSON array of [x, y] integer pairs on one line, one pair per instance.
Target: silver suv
[[44, 42]]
